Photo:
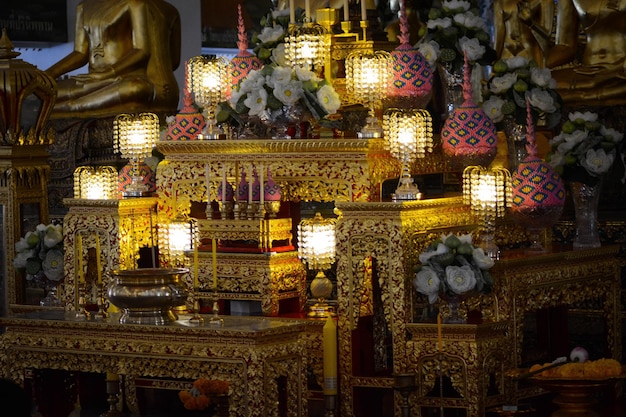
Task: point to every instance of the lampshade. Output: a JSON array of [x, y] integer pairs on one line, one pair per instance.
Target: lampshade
[[306, 46], [181, 236], [95, 183], [208, 79], [316, 242], [408, 136], [316, 247], [135, 135], [367, 77], [488, 192]]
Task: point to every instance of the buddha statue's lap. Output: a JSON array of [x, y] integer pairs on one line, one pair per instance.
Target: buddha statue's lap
[[132, 48], [597, 77]]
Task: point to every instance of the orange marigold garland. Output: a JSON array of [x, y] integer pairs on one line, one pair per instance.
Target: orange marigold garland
[[199, 396]]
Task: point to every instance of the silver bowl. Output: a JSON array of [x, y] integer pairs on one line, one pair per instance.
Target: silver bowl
[[148, 295]]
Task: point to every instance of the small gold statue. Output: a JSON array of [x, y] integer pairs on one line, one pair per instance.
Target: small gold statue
[[132, 48], [597, 78]]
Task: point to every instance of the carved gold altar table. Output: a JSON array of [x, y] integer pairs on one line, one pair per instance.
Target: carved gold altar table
[[563, 277], [253, 354], [474, 357]]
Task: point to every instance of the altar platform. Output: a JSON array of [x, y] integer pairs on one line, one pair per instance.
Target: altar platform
[[262, 358]]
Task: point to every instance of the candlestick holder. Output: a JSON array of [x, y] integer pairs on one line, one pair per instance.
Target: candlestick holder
[[330, 405], [102, 313], [113, 392], [215, 320], [253, 210], [196, 319], [346, 26], [405, 385], [226, 209], [81, 303], [364, 25]]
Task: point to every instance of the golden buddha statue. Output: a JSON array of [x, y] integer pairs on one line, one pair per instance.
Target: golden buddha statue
[[523, 28], [597, 77], [132, 48]]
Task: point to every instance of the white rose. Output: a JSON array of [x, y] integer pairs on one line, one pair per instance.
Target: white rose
[[455, 5], [472, 48], [289, 93], [597, 162], [256, 101], [481, 259], [271, 34], [586, 116], [430, 50], [279, 55], [425, 256], [53, 236], [570, 140], [541, 100], [516, 62], [280, 75], [428, 283], [611, 134], [304, 74], [21, 258], [542, 77], [328, 99], [556, 159], [442, 23], [493, 108], [460, 279], [503, 83]]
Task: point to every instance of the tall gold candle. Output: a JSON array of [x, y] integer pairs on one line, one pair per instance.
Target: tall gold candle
[[98, 261], [195, 266], [79, 252], [439, 334], [214, 253], [330, 356]]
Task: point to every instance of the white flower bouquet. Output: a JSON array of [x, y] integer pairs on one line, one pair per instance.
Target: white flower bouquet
[[40, 254], [271, 91], [585, 149], [515, 80], [455, 29], [453, 266]]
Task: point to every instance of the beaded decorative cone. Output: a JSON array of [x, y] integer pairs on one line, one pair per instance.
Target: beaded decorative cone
[[468, 136], [538, 193], [189, 122], [244, 62], [412, 78]]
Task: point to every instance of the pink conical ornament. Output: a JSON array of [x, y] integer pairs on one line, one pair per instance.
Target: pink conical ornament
[[244, 62], [412, 79], [538, 193], [243, 187], [189, 122], [256, 186], [271, 190], [468, 136], [230, 194]]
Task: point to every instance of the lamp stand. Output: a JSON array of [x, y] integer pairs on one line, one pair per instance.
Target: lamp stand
[[407, 190], [372, 128], [211, 130], [137, 188], [488, 241], [321, 288]]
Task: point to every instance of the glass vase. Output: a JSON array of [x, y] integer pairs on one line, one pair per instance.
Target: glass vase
[[454, 310], [586, 198], [51, 299], [452, 85], [515, 141]]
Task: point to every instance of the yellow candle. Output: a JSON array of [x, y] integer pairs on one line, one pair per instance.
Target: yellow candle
[[292, 12], [112, 376], [195, 267], [98, 261], [214, 253], [346, 11], [307, 9], [79, 254], [439, 335], [330, 356], [363, 10]]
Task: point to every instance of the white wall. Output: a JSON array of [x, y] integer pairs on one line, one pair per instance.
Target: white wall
[[190, 17]]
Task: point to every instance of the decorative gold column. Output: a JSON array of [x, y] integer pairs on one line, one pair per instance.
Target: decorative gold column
[[123, 226]]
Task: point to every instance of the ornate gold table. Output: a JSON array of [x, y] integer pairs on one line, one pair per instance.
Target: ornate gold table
[[253, 354]]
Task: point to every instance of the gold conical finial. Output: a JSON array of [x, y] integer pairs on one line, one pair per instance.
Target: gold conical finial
[[6, 46]]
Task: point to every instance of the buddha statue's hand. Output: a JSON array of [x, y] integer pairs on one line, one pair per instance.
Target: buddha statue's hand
[[523, 12]]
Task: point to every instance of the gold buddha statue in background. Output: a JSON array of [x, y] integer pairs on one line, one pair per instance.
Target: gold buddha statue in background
[[132, 48], [598, 76]]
